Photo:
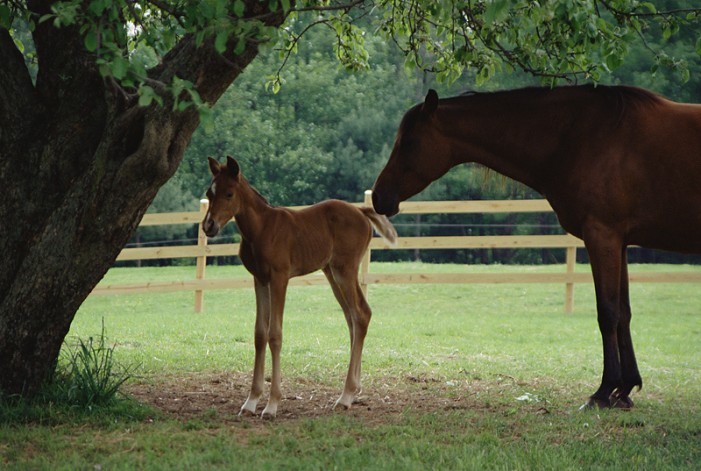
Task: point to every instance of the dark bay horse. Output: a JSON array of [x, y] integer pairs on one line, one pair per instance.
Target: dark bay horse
[[278, 244], [619, 165]]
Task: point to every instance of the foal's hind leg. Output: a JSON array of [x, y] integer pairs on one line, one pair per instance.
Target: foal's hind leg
[[344, 283]]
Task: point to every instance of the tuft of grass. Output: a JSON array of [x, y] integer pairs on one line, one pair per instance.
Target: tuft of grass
[[86, 384], [89, 375]]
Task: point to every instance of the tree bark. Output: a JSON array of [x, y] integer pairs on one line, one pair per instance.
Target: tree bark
[[80, 162]]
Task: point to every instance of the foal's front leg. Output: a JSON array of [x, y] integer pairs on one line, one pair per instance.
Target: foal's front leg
[[278, 289], [261, 343]]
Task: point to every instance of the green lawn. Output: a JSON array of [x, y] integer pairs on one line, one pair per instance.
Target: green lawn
[[486, 377]]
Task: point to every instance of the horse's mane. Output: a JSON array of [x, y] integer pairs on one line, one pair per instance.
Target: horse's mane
[[620, 98], [621, 94]]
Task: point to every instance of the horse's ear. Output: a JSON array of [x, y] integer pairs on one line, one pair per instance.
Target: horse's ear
[[232, 167], [430, 103], [213, 166]]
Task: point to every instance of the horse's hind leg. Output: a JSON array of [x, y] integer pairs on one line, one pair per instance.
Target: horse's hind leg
[[344, 283], [630, 376], [262, 328]]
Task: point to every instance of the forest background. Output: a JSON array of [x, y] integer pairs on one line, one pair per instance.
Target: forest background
[[327, 133]]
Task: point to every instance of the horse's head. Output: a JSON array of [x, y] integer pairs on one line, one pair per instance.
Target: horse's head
[[419, 156], [222, 195]]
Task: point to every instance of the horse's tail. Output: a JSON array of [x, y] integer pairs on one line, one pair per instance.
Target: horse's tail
[[381, 225]]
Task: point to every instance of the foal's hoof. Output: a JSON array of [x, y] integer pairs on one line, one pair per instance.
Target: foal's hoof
[[340, 407], [345, 401], [247, 413]]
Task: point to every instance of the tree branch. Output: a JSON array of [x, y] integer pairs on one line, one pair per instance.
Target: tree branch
[[18, 102], [659, 14]]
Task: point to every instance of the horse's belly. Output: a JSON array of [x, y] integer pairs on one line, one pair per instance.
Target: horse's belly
[[684, 236]]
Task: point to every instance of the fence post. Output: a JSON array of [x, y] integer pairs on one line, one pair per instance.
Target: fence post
[[570, 260], [365, 262], [202, 258]]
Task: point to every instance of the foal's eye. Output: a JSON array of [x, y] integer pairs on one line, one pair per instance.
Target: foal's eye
[[229, 195]]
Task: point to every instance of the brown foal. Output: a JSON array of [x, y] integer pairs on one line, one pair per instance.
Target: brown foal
[[278, 244]]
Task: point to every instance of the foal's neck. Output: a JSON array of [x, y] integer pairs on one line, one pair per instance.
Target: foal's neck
[[253, 209]]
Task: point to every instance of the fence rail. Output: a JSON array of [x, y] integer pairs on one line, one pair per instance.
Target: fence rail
[[201, 251]]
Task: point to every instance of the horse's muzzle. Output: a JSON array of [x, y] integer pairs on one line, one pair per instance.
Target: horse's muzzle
[[210, 227], [385, 203]]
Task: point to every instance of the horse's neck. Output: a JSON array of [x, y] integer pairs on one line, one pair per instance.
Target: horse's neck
[[253, 210], [514, 139]]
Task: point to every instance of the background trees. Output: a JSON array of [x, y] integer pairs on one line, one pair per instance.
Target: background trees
[[328, 132], [99, 100]]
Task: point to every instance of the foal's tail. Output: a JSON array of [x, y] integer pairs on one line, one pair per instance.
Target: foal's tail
[[381, 225]]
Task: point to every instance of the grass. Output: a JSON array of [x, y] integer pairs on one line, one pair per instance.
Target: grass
[[512, 366]]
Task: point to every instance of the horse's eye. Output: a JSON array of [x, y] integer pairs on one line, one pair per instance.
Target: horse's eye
[[229, 195]]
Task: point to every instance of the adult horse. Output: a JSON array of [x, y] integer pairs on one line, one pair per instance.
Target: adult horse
[[619, 165], [278, 244]]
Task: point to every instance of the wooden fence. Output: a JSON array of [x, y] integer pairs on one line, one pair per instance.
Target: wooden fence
[[201, 251]]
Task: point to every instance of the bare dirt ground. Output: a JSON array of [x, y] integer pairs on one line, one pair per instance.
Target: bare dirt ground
[[208, 395]]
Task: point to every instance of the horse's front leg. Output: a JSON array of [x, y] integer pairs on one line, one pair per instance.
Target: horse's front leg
[[262, 328], [606, 264], [278, 289]]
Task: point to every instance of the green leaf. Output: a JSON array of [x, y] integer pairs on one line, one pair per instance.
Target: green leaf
[[145, 100], [91, 41], [698, 46], [650, 7], [119, 67], [240, 46], [496, 10], [5, 17], [239, 8], [220, 41]]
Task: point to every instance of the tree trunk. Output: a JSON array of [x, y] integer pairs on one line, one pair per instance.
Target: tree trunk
[[80, 162]]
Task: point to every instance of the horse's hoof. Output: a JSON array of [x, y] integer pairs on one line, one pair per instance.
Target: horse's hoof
[[621, 402], [594, 403]]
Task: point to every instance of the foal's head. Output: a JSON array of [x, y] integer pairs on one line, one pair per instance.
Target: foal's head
[[223, 195]]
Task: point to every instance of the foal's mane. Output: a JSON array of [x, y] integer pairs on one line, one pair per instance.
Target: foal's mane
[[253, 189]]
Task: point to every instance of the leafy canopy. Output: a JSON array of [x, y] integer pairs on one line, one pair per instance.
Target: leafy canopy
[[553, 39]]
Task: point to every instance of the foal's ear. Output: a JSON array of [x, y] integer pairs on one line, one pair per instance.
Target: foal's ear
[[213, 166], [232, 167], [431, 102]]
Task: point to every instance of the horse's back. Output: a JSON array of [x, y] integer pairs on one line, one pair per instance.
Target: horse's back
[[640, 177]]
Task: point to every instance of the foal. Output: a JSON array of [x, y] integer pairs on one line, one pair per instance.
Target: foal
[[278, 244]]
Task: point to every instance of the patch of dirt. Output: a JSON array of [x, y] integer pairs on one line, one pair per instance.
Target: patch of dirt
[[219, 396]]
